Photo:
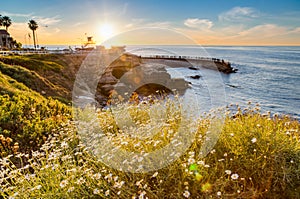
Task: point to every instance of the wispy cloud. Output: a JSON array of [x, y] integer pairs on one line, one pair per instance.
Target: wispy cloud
[[46, 20], [10, 14], [78, 24], [239, 13], [265, 30], [159, 24], [295, 31], [138, 23], [198, 23]]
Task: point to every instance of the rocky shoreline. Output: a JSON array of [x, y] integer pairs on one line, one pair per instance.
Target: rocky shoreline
[[130, 73], [145, 76]]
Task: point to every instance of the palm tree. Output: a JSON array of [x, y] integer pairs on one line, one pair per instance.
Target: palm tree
[[33, 26], [6, 22]]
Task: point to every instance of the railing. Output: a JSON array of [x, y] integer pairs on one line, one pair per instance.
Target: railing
[[172, 57], [32, 52]]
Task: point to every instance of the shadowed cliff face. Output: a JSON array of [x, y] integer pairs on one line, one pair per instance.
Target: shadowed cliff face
[[128, 74]]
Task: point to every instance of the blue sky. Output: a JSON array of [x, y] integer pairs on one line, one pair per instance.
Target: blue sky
[[224, 22]]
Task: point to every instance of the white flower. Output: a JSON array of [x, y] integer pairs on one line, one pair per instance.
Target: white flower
[[96, 191], [64, 145], [186, 193], [191, 160], [71, 189], [39, 187], [107, 193], [228, 172], [63, 183], [234, 176], [219, 193], [253, 140], [155, 174]]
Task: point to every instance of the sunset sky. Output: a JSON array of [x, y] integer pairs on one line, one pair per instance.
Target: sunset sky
[[207, 22]]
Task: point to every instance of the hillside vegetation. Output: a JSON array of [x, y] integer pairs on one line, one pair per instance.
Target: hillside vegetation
[[42, 154]]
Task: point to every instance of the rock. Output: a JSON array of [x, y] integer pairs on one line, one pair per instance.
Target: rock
[[195, 76], [193, 68]]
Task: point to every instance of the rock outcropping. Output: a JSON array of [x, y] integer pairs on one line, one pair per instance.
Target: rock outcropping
[[128, 74]]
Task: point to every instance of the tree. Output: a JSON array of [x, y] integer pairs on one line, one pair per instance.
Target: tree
[[33, 26], [6, 22]]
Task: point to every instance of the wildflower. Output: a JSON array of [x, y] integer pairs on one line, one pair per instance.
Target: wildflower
[[219, 193], [80, 181], [186, 194], [155, 174], [71, 189], [234, 176], [38, 187], [64, 145], [107, 193], [141, 196], [253, 140], [140, 159], [96, 191], [63, 183], [228, 172], [191, 160], [201, 162]]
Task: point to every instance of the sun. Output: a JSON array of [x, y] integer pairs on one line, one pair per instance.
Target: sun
[[106, 31]]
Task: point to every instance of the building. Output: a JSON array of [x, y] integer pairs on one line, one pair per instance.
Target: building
[[6, 41]]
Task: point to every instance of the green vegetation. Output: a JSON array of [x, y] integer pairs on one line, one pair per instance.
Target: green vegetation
[[255, 157], [42, 154], [33, 62], [26, 117]]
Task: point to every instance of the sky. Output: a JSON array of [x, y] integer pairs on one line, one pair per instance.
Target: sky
[[205, 22]]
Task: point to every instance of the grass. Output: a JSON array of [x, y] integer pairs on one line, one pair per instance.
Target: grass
[[256, 156], [26, 117], [34, 62]]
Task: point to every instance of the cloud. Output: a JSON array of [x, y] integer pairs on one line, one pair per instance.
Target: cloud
[[239, 13], [198, 23], [140, 22], [265, 30], [10, 14], [159, 24], [295, 31], [45, 21], [78, 24]]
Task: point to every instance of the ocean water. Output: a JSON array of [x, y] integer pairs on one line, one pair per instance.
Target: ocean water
[[268, 75]]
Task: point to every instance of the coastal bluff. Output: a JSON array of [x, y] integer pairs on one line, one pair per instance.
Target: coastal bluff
[[54, 75]]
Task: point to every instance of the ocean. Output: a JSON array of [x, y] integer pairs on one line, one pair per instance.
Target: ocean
[[267, 75]]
